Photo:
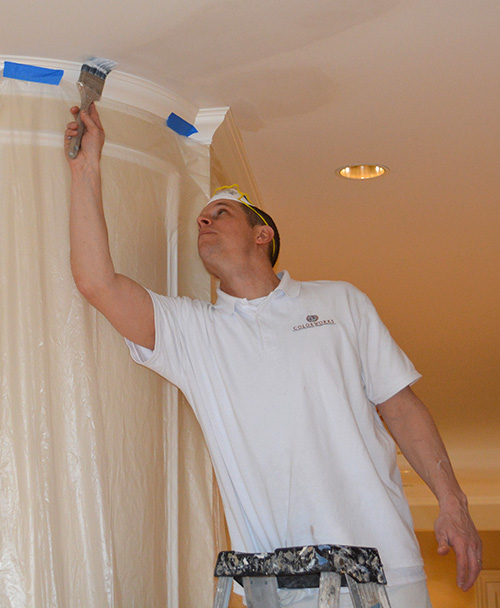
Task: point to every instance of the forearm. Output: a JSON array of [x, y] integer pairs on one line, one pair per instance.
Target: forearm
[[91, 261], [416, 434], [414, 430]]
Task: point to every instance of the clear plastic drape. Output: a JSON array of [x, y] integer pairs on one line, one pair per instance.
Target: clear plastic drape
[[106, 490]]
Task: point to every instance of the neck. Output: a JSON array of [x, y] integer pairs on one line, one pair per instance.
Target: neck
[[250, 285]]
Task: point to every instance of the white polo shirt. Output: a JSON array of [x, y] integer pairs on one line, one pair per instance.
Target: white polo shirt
[[285, 389]]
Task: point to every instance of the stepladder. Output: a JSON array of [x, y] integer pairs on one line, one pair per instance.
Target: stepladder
[[326, 567]]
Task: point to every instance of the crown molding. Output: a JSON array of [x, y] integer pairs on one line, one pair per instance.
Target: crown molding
[[133, 91], [207, 121]]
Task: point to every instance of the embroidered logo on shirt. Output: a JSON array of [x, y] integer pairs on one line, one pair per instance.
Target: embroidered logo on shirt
[[313, 321]]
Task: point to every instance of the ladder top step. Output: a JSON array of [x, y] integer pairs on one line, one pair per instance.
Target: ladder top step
[[363, 564]]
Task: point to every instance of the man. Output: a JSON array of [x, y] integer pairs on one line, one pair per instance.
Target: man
[[284, 378]]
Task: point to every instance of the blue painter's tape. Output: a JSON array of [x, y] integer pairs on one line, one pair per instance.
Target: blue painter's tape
[[181, 126], [32, 73]]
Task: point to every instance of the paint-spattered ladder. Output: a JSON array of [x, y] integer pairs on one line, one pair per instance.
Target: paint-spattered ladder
[[325, 566]]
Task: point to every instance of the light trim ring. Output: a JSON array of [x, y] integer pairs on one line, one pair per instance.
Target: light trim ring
[[362, 171]]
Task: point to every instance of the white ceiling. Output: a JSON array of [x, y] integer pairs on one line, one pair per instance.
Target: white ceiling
[[411, 84]]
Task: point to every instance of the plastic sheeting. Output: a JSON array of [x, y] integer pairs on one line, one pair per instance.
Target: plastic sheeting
[[107, 496]]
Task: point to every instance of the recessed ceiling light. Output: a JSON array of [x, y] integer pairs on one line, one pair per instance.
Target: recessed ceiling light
[[362, 171]]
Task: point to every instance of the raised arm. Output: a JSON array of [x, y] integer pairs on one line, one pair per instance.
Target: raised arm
[[413, 428], [125, 303]]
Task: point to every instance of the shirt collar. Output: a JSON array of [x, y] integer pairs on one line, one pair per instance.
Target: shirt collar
[[226, 303]]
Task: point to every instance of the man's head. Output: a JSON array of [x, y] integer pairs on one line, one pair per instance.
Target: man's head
[[255, 216]]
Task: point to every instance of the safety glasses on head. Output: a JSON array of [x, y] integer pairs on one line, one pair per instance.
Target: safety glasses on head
[[234, 193]]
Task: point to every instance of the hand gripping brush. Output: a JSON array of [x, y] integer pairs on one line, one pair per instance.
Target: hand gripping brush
[[90, 84]]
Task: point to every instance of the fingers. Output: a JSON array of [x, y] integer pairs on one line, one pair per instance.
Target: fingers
[[469, 567], [95, 116], [90, 118], [93, 134], [459, 533], [87, 120], [441, 531], [70, 132], [443, 548], [462, 566], [72, 126]]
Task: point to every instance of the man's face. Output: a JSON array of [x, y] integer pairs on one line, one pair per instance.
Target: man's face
[[225, 234]]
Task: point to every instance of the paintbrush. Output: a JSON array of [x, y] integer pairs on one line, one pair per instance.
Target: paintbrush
[[90, 84]]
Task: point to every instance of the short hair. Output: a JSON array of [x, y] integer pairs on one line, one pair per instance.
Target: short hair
[[257, 217]]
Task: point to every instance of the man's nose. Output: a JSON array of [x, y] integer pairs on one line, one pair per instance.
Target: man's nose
[[203, 221]]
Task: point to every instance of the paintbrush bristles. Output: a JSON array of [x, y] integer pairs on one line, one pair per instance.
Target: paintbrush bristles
[[99, 67], [93, 74]]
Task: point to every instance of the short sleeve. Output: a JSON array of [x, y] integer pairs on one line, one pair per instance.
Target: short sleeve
[[168, 358], [385, 367]]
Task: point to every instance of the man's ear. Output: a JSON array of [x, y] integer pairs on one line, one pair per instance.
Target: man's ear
[[265, 234]]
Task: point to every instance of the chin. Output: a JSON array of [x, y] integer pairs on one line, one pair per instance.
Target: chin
[[205, 258]]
